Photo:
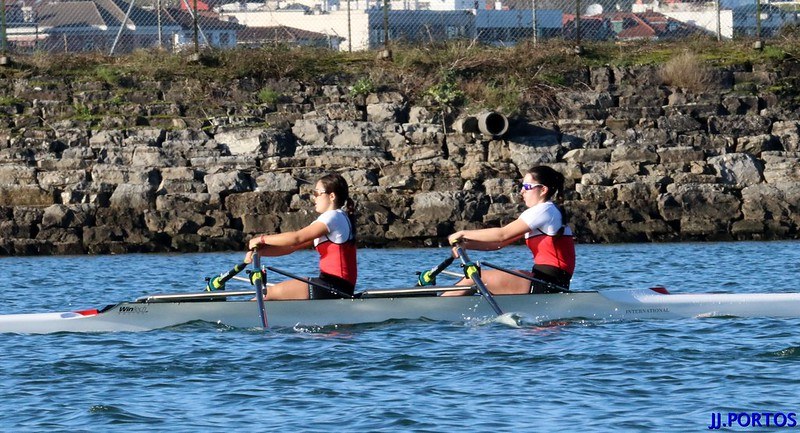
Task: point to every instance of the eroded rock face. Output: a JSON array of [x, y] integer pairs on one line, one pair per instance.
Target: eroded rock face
[[642, 162]]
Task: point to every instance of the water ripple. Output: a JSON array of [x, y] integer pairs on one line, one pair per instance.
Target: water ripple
[[404, 376]]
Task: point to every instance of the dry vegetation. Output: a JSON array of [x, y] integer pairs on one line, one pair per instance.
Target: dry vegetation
[[509, 79], [688, 72]]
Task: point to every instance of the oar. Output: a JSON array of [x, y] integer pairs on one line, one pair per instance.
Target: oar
[[428, 278], [527, 277], [257, 278], [218, 282], [472, 271]]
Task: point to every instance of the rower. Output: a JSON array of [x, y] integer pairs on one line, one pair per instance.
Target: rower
[[333, 236], [544, 228]]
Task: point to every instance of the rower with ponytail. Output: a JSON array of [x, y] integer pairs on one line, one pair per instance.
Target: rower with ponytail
[[544, 228], [332, 234]]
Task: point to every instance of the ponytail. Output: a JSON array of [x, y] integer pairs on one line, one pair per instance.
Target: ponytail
[[349, 208]]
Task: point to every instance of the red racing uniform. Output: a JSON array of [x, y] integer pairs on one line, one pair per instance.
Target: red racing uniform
[[551, 243], [337, 249]]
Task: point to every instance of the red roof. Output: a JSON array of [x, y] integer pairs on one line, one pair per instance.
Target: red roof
[[201, 6], [634, 27], [644, 25]]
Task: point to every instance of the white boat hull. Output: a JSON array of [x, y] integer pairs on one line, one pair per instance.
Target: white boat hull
[[607, 305]]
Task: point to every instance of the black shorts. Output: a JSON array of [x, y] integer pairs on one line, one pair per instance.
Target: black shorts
[[317, 292], [553, 279]]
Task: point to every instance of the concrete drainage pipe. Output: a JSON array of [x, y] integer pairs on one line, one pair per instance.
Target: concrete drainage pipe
[[488, 123], [492, 123]]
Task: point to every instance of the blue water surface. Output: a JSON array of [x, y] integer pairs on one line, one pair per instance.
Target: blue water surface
[[415, 376]]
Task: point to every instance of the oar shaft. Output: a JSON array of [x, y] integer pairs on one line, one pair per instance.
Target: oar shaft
[[224, 278], [428, 278], [447, 262], [259, 283], [218, 282], [471, 271]]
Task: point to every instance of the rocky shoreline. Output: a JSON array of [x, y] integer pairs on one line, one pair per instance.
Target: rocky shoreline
[[160, 171]]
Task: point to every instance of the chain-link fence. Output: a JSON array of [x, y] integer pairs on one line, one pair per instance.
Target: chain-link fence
[[120, 26]]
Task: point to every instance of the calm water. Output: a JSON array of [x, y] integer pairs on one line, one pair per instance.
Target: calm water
[[403, 376]]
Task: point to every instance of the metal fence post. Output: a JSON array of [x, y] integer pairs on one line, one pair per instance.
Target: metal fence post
[[349, 30], [3, 42], [758, 19], [719, 21], [195, 27], [577, 26], [158, 18], [386, 24], [533, 16]]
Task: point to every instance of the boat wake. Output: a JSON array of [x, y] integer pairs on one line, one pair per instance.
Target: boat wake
[[513, 320], [520, 320]]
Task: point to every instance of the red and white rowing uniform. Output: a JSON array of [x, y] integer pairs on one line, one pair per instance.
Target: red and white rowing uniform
[[337, 249], [549, 240]]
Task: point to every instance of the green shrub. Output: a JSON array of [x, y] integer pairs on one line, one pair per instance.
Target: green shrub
[[446, 93], [363, 87], [108, 75], [268, 96]]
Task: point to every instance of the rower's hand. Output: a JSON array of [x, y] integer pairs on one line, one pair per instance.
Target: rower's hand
[[455, 238], [248, 258], [255, 243]]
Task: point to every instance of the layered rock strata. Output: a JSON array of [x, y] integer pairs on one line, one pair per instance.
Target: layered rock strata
[[164, 168]]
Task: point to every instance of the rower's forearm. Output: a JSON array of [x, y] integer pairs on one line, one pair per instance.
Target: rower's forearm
[[483, 246], [274, 251], [485, 237], [288, 239]]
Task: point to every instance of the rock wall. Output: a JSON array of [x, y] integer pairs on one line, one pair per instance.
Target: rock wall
[[191, 166]]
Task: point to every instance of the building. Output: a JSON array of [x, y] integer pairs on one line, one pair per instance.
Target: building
[[772, 19], [265, 36], [508, 27], [95, 25], [628, 26], [410, 26], [212, 31]]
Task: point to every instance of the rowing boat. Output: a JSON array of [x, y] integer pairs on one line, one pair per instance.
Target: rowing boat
[[235, 309]]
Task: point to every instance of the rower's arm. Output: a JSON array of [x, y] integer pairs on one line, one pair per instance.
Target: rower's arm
[[487, 246], [288, 242], [494, 238], [274, 251]]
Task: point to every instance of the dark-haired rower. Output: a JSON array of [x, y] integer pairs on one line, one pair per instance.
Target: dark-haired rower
[[333, 236], [544, 226]]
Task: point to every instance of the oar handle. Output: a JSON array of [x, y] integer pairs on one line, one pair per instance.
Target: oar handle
[[428, 278], [473, 272]]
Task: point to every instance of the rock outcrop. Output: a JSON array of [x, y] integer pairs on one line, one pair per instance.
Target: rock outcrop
[[157, 172]]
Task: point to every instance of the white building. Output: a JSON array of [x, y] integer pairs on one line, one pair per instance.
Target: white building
[[505, 27], [735, 17], [354, 30]]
